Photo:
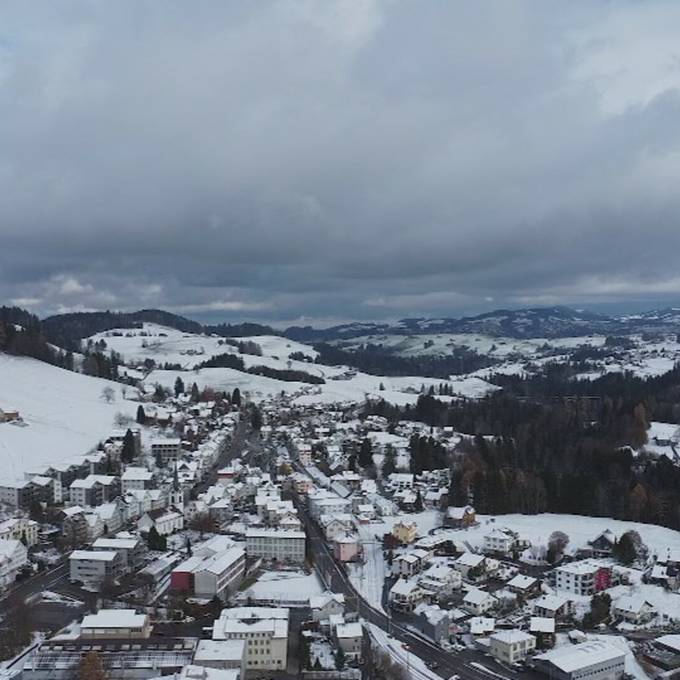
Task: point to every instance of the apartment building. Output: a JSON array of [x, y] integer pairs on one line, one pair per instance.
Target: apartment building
[[263, 629], [511, 646], [94, 566], [276, 544]]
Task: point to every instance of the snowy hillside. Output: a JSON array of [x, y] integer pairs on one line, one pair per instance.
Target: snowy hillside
[[64, 413]]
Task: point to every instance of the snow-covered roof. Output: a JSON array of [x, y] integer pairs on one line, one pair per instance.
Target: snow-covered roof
[[542, 624], [571, 658], [349, 630], [114, 618], [476, 596], [522, 582], [512, 637]]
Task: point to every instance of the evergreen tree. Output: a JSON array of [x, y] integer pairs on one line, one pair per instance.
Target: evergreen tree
[[340, 659], [141, 416], [153, 539], [195, 395], [626, 548], [389, 462], [366, 454], [179, 386], [127, 453], [418, 505], [236, 397], [256, 419]]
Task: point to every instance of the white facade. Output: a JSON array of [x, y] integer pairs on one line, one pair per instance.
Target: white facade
[[272, 544], [511, 646], [221, 574], [13, 557], [264, 630]]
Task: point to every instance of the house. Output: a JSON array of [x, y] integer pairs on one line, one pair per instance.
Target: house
[[405, 532], [500, 541], [405, 594], [400, 481], [553, 606], [263, 629], [433, 621], [543, 628], [21, 529], [94, 567], [167, 450], [511, 646], [74, 526], [165, 521], [335, 526], [524, 586], [591, 660], [347, 548], [136, 478], [130, 548], [276, 544], [325, 605], [460, 517], [478, 601], [470, 564], [115, 624], [603, 545], [94, 490], [582, 578], [633, 609], [440, 580], [13, 558], [349, 637], [410, 563]]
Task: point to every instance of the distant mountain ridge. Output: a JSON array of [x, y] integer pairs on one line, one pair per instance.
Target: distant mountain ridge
[[66, 330]]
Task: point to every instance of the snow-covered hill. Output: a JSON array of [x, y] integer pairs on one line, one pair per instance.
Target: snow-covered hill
[[64, 414]]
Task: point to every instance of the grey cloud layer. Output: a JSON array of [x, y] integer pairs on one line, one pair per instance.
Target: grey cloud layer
[[349, 159]]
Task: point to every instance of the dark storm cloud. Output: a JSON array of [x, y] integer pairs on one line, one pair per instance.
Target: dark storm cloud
[[328, 159]]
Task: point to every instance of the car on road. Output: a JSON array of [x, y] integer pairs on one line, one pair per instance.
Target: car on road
[[455, 677], [432, 665]]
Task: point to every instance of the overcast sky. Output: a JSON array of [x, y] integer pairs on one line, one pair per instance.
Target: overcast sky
[[313, 161]]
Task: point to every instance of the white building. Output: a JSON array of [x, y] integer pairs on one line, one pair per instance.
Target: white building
[[136, 478], [166, 521], [94, 566], [511, 646], [115, 624], [440, 580], [221, 574], [499, 541], [276, 544], [19, 529], [592, 660], [350, 639], [169, 450], [577, 578], [13, 557], [478, 602], [264, 630]]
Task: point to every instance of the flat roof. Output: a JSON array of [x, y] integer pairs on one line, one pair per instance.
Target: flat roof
[[114, 618]]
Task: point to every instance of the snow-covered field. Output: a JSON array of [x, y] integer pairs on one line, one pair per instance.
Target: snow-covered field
[[64, 414]]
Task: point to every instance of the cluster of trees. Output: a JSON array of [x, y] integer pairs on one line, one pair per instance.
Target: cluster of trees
[[379, 360], [287, 374], [564, 454], [101, 365], [155, 541], [426, 454], [226, 360], [21, 334], [244, 346]]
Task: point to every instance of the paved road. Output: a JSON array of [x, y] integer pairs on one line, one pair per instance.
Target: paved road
[[449, 663]]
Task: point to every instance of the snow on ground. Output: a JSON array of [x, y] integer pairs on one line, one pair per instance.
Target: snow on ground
[[355, 389], [662, 431], [537, 529], [285, 586], [322, 651], [667, 605], [415, 665], [64, 414], [368, 578]]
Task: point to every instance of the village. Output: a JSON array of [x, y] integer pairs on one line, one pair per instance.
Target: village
[[214, 537]]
